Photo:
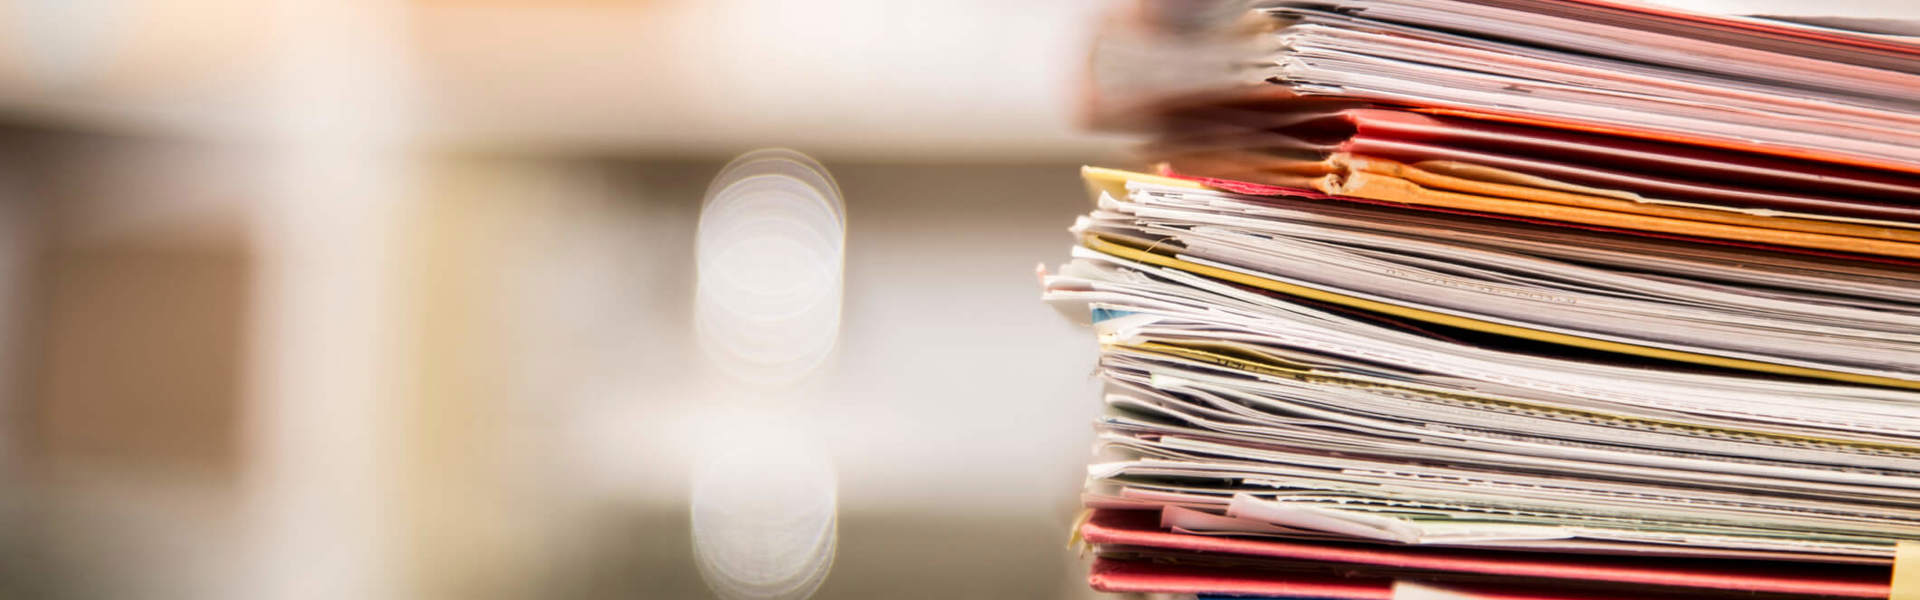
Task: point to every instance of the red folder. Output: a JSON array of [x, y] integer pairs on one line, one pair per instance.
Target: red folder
[[1671, 171], [1142, 577], [1301, 139], [1140, 529]]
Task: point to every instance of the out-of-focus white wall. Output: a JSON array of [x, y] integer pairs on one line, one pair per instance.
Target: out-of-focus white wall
[[851, 79], [568, 405], [862, 79], [952, 389], [992, 79]]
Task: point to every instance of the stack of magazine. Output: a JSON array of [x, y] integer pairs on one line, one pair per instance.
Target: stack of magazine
[[1543, 299]]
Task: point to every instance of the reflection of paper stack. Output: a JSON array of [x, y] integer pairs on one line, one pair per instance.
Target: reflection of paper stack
[[1523, 299], [764, 517]]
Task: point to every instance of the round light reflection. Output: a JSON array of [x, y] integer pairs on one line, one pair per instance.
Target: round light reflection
[[769, 256], [764, 519]]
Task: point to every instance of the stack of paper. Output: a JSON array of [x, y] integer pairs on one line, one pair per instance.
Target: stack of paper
[[1519, 298]]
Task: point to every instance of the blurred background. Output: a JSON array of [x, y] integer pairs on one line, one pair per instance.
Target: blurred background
[[392, 299]]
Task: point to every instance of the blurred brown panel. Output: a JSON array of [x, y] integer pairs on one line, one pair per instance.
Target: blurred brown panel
[[140, 358]]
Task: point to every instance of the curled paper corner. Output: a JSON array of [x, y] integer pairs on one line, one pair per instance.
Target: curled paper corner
[[1081, 223], [1076, 311], [1074, 541]]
